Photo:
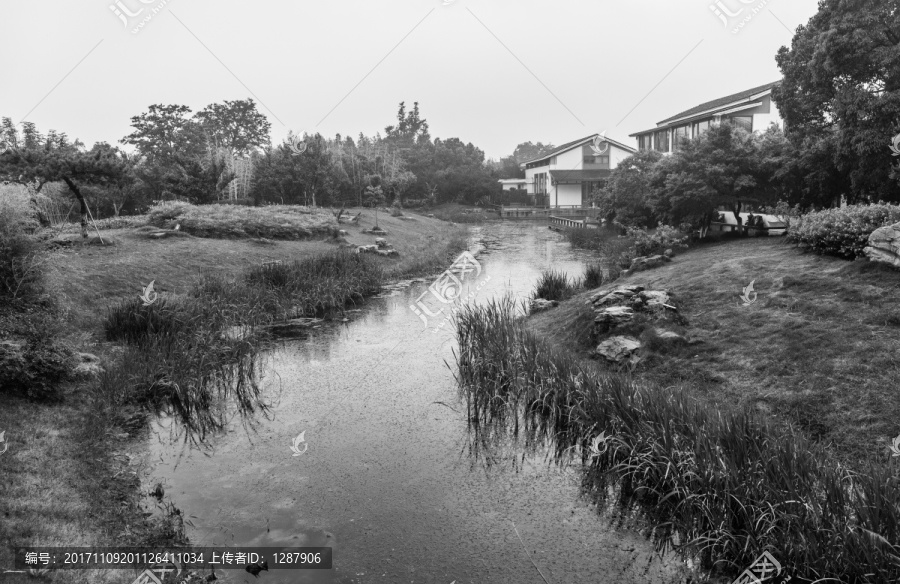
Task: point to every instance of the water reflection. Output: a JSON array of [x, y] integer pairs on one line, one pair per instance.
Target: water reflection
[[393, 480]]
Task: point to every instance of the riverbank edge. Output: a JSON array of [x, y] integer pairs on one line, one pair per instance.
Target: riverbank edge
[[95, 463]]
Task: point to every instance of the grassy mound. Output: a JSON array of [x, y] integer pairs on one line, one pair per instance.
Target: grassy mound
[[239, 222]]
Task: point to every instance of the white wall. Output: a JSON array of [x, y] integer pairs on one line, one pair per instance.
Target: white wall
[[571, 160], [566, 195], [616, 156]]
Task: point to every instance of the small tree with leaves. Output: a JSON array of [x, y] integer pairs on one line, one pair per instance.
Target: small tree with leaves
[[375, 197]]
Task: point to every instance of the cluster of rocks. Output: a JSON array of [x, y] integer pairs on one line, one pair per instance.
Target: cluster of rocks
[[380, 247], [647, 262], [618, 306], [884, 245], [542, 304]]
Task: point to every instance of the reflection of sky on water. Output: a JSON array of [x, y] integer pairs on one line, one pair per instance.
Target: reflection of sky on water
[[388, 480]]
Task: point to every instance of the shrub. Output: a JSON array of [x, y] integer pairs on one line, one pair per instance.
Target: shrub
[[34, 368], [20, 262], [554, 285], [593, 276], [843, 231], [663, 238], [396, 209]]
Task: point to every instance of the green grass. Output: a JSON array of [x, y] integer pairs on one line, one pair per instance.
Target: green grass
[[238, 222], [721, 485]]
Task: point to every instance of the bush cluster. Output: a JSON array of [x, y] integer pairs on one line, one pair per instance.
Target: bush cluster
[[663, 238], [843, 231]]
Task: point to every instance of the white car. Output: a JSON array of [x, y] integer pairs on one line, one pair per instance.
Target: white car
[[763, 224]]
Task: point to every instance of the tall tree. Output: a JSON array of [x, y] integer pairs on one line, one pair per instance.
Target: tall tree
[[842, 83], [54, 159], [626, 195]]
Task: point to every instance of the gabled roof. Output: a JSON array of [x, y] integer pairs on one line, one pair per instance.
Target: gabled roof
[[723, 101], [574, 144], [716, 104]]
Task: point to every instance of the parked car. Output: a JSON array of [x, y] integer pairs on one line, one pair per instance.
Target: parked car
[[724, 222], [762, 224]]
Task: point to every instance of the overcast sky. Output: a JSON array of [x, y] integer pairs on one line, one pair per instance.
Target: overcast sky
[[492, 72]]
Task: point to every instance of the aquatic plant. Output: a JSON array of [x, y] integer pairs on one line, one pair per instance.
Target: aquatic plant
[[721, 485], [553, 285]]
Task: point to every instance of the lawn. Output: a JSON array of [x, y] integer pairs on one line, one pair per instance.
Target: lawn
[[818, 349]]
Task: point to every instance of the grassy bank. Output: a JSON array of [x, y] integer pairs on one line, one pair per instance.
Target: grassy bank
[[720, 484], [71, 479]]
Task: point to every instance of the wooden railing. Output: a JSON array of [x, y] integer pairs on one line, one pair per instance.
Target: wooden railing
[[567, 222]]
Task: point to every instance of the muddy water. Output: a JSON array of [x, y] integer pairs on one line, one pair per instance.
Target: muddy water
[[387, 479]]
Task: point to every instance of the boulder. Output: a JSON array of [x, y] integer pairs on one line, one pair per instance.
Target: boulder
[[387, 252], [381, 242], [669, 336], [88, 365], [645, 263], [611, 317], [884, 245], [367, 249], [375, 231], [618, 349], [542, 304], [651, 300], [342, 232], [614, 295], [668, 253]]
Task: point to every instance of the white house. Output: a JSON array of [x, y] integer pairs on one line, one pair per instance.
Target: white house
[[509, 184], [566, 176], [753, 109]]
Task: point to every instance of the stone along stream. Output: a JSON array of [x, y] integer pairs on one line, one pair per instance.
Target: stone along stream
[[387, 479]]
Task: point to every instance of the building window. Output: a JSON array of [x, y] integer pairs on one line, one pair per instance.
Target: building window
[[662, 141], [679, 134], [700, 127], [745, 122]]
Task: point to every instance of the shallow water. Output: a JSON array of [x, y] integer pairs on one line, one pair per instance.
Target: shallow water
[[388, 481]]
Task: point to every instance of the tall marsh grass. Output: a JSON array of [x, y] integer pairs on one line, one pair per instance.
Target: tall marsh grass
[[553, 285], [723, 486]]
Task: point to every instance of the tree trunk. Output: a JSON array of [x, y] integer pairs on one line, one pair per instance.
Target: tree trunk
[[82, 203]]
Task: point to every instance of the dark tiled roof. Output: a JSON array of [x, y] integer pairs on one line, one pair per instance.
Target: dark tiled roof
[[710, 105], [569, 145], [716, 103], [564, 176]]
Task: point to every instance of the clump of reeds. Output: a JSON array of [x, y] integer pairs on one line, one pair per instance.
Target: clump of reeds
[[553, 285], [723, 486], [593, 275]]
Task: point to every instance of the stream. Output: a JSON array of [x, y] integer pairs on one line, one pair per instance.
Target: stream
[[387, 479]]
